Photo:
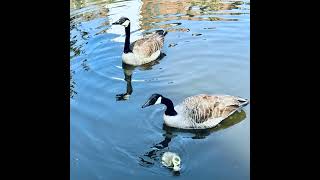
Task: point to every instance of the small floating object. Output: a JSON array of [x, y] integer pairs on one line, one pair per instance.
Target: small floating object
[[171, 160], [172, 45], [196, 34], [178, 30], [238, 3]]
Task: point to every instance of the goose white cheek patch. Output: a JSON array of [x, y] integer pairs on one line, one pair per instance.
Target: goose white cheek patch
[[126, 23], [158, 100]]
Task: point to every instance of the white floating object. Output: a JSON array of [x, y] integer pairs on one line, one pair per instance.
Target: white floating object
[[171, 160]]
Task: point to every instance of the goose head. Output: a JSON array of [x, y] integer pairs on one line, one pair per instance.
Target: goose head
[[153, 99], [176, 163], [123, 21]]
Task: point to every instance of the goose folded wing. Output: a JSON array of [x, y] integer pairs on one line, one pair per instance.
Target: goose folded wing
[[202, 108], [148, 45]]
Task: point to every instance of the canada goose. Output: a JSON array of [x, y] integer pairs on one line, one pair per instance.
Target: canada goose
[[143, 50], [171, 160], [198, 112]]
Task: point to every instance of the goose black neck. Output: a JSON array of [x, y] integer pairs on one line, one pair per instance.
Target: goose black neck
[[170, 108], [127, 41]]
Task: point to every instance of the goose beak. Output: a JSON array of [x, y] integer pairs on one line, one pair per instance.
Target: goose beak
[[146, 104], [154, 99], [116, 23]]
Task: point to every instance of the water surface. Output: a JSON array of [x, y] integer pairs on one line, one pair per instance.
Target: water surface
[[206, 51]]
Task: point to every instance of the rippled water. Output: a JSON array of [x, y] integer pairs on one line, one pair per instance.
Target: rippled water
[[206, 51]]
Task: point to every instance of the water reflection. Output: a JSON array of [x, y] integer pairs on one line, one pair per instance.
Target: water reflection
[[76, 43], [128, 71], [152, 14], [153, 11], [94, 11], [72, 85], [154, 155]]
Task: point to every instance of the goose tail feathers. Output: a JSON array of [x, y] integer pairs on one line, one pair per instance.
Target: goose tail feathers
[[161, 32], [243, 101]]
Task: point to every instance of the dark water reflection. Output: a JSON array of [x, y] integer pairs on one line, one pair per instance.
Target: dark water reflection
[[128, 71]]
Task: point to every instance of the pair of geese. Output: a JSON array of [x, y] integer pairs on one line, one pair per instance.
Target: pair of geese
[[195, 112]]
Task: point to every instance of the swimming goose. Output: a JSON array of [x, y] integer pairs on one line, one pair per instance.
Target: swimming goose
[[143, 50], [198, 112]]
